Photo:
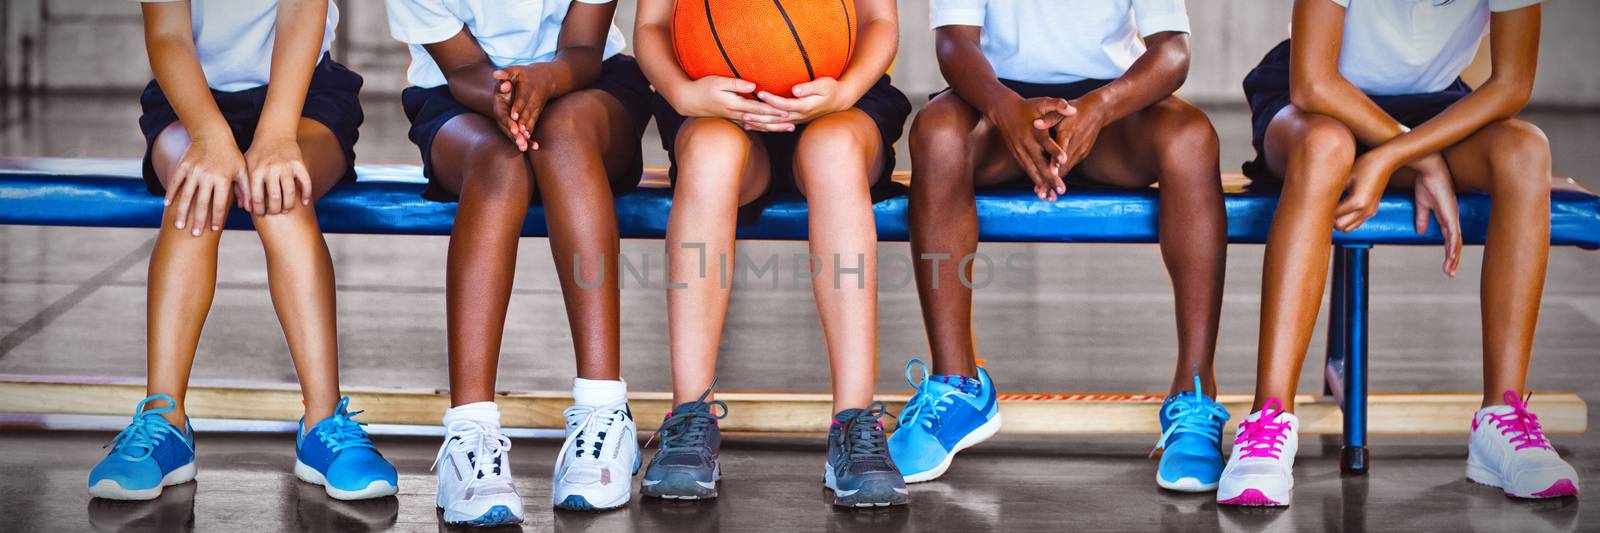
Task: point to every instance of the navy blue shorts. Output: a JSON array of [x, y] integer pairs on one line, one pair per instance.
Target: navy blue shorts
[[333, 100], [1267, 89], [886, 105], [1064, 91], [429, 108]]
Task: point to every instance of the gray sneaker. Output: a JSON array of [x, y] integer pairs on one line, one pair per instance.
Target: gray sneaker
[[860, 471], [685, 466]]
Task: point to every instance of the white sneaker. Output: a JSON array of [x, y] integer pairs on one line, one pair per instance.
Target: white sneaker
[[474, 470], [596, 466], [1260, 470], [1508, 450]]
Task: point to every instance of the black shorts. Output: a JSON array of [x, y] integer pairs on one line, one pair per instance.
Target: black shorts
[[429, 108], [886, 105], [1064, 91], [1267, 89], [333, 99]]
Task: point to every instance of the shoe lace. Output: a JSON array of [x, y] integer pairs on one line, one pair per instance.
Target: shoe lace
[[1520, 425], [341, 431], [863, 434], [688, 426], [1265, 436], [591, 424], [924, 408], [1192, 414], [137, 441], [485, 447]]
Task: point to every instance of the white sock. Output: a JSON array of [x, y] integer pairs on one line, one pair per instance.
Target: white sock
[[598, 392], [486, 413]]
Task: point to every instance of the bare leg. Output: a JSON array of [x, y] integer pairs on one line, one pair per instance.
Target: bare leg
[[584, 137], [300, 274], [838, 158], [475, 160], [1173, 142], [1314, 154], [1509, 159], [720, 167], [182, 281], [944, 225]]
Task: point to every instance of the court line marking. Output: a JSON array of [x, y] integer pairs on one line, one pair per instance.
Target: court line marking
[[67, 301]]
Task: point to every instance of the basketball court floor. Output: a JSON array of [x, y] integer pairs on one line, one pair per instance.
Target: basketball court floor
[[1084, 318]]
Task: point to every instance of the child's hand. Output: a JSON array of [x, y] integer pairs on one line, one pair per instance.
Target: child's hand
[[1075, 135], [1368, 178], [278, 177], [1023, 125], [811, 101], [1434, 193], [719, 97], [199, 189], [519, 99]]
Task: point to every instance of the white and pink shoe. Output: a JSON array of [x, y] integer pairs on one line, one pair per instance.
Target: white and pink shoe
[[1260, 470], [1509, 450]]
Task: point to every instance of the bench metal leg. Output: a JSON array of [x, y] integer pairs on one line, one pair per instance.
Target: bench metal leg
[[1333, 369], [1353, 457]]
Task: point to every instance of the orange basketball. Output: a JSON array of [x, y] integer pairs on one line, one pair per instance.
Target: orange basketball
[[774, 43]]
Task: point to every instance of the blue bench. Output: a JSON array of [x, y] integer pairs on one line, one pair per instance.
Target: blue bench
[[385, 200]]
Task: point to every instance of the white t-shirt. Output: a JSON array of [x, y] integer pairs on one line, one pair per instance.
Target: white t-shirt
[[1062, 41], [511, 32], [234, 40], [1413, 47]]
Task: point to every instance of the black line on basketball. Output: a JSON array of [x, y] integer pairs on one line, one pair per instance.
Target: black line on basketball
[[712, 23], [796, 34], [849, 31]]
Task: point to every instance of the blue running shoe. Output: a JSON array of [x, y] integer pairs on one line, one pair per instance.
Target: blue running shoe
[[149, 454], [685, 467], [939, 421], [1191, 442], [859, 469], [338, 455]]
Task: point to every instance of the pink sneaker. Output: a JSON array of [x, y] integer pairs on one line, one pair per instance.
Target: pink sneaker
[[1508, 450], [1260, 470]]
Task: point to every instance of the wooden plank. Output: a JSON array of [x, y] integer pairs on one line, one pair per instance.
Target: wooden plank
[[1077, 413]]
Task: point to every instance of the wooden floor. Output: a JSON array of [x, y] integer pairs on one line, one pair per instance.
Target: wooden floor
[[1088, 318]]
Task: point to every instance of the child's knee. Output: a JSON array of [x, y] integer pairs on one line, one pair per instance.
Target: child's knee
[[940, 130], [1519, 145], [846, 136], [496, 167], [299, 217], [569, 121], [1187, 131]]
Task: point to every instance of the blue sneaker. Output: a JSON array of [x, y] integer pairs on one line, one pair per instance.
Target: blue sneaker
[[1191, 442], [939, 421], [338, 455], [149, 454]]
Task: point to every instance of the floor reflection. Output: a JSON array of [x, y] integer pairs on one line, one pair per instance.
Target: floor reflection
[[315, 511], [173, 511]]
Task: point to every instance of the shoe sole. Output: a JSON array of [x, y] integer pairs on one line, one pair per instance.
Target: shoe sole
[[1185, 484], [680, 486], [1483, 476], [498, 515], [1256, 497], [375, 489], [866, 496], [988, 429], [111, 490]]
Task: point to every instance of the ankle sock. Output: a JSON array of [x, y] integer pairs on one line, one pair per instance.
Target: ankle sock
[[967, 385], [486, 413], [598, 392]]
